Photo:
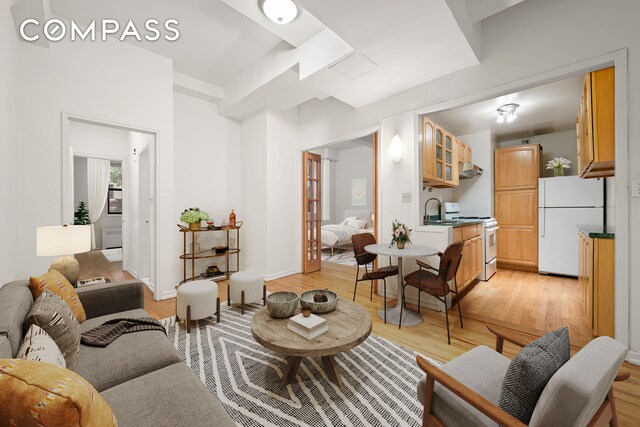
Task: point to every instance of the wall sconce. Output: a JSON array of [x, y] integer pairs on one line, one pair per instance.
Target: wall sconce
[[395, 149]]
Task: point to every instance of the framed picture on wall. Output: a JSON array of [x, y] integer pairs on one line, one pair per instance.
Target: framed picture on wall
[[359, 192]]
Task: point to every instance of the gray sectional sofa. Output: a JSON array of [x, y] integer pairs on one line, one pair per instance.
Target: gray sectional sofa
[[140, 375]]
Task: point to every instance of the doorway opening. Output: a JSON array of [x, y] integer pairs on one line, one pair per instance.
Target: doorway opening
[[540, 282], [339, 200], [110, 169]]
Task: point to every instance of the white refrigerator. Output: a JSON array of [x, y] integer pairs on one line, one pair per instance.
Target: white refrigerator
[[563, 203]]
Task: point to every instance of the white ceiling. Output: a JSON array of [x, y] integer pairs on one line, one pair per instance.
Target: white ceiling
[[392, 46], [544, 109], [216, 42]]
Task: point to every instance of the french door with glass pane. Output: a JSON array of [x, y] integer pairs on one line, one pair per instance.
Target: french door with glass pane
[[312, 212]]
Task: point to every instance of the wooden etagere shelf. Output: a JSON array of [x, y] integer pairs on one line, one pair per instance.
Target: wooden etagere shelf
[[189, 251]]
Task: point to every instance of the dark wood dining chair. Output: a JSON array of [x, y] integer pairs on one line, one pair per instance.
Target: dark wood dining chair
[[437, 285], [364, 258]]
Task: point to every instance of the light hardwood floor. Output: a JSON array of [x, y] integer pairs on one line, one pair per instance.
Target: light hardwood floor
[[527, 302]]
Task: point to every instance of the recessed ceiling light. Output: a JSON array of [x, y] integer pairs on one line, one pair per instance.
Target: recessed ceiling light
[[280, 11]]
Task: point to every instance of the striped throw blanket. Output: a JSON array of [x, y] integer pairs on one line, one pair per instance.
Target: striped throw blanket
[[109, 331]]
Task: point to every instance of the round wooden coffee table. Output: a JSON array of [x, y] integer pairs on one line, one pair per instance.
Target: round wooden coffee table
[[349, 325]]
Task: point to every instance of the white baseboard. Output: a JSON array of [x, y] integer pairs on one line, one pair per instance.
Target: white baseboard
[[167, 294], [274, 276], [633, 357], [131, 271]]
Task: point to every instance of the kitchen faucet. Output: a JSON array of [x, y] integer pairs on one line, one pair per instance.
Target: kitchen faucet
[[425, 218]]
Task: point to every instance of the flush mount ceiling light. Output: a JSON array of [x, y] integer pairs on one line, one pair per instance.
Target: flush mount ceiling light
[[507, 112], [280, 11]]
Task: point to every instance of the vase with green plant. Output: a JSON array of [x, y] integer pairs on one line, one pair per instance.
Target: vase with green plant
[[81, 216], [193, 217], [401, 234], [558, 164]]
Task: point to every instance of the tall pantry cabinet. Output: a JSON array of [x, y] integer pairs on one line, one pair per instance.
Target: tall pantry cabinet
[[517, 170]]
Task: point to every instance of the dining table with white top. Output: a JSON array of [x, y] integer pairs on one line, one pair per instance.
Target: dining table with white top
[[409, 317]]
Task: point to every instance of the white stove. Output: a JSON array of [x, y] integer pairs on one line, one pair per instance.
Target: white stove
[[490, 228]]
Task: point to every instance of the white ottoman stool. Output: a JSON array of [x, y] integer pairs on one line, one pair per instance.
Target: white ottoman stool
[[246, 287], [197, 300]]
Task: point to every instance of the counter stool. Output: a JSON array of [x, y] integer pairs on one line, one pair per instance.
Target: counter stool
[[197, 300], [247, 287]]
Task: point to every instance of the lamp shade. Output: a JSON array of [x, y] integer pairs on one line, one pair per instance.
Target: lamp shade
[[63, 240], [395, 149]]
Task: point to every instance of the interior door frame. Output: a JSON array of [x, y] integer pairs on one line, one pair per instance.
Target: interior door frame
[[619, 59], [145, 266], [375, 134], [67, 205]]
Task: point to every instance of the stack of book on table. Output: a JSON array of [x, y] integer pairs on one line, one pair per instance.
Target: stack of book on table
[[309, 327]]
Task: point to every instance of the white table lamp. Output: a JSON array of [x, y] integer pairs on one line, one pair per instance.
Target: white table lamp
[[64, 240]]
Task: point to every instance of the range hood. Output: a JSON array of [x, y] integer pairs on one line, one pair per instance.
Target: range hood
[[469, 170]]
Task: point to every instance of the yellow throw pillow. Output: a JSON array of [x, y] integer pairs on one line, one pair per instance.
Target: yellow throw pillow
[[56, 283], [41, 394]]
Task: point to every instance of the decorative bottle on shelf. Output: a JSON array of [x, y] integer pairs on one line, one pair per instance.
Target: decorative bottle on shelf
[[232, 219]]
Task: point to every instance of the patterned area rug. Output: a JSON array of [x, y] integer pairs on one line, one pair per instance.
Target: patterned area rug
[[339, 257], [379, 378], [112, 255]]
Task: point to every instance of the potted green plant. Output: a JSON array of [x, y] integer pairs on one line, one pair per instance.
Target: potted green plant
[[401, 234], [81, 216], [193, 217]]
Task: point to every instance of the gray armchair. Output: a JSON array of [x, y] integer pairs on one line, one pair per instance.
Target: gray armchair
[[465, 391]]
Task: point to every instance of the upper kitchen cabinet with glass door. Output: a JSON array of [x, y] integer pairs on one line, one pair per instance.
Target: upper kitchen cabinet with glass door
[[595, 125], [440, 159]]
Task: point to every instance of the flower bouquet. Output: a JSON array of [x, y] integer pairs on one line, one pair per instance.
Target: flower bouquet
[[401, 234], [558, 164]]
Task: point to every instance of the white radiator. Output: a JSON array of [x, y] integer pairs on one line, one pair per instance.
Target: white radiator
[[111, 237]]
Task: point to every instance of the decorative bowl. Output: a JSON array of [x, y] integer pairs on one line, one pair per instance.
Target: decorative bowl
[[221, 249], [282, 304], [306, 300]]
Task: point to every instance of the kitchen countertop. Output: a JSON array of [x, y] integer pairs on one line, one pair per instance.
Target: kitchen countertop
[[453, 223], [598, 231]]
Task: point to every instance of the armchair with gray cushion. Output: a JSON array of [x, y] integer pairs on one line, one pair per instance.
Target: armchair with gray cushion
[[465, 391]]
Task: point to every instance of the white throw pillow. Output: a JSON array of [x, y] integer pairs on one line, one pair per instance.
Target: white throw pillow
[[357, 224], [37, 345], [347, 219]]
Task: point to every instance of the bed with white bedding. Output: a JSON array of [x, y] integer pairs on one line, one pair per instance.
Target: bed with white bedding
[[338, 236]]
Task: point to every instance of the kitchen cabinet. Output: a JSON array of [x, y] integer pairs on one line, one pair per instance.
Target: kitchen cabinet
[[595, 125], [464, 151], [517, 168], [440, 156], [471, 262], [596, 281], [516, 206]]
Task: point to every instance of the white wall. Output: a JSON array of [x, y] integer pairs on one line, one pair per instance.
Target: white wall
[[397, 178], [108, 81], [271, 194], [283, 191], [254, 194], [206, 171], [565, 34], [557, 144], [10, 206], [354, 163]]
